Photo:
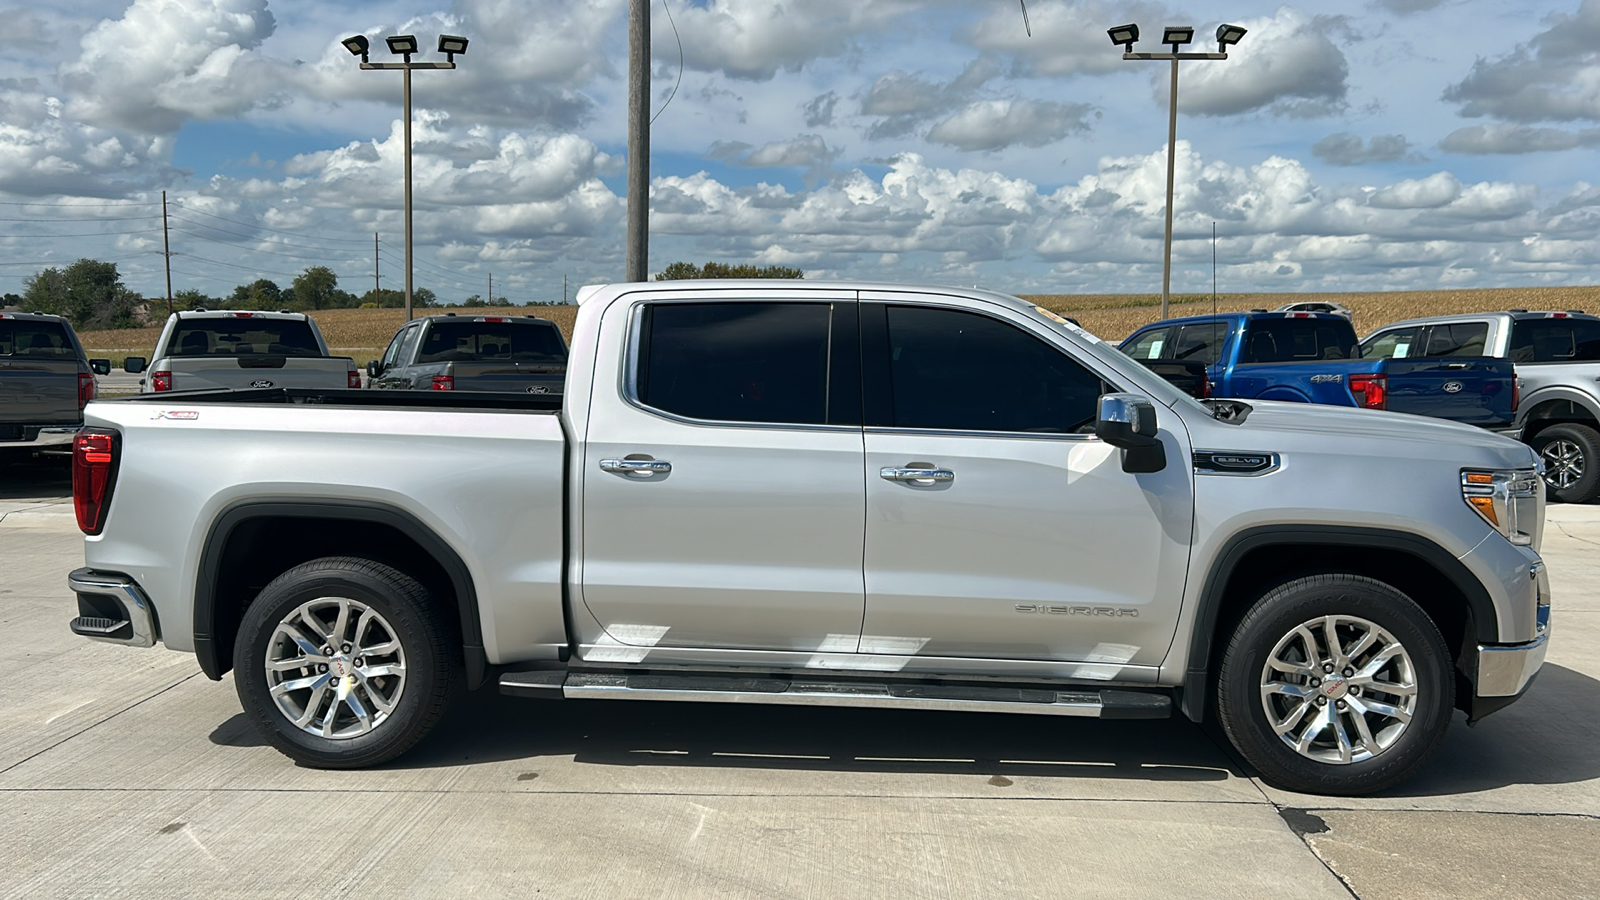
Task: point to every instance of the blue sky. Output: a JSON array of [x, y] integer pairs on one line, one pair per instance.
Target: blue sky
[[1388, 144]]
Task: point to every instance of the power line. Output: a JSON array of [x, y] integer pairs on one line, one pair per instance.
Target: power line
[[260, 227], [201, 237], [95, 219], [76, 205]]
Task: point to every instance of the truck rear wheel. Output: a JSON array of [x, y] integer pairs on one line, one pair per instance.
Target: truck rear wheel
[[1335, 684], [1571, 455], [343, 663]]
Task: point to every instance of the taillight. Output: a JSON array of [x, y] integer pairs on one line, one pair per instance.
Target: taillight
[[161, 381], [86, 388], [444, 382], [94, 472], [355, 378], [1370, 391], [1205, 388]]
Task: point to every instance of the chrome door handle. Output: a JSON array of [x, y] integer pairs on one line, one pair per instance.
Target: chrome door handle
[[637, 468], [916, 476]]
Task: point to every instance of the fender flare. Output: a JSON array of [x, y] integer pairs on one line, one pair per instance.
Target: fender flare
[[1203, 638], [1555, 393], [240, 512]]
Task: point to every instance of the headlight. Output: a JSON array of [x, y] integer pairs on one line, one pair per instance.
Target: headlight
[[1507, 499]]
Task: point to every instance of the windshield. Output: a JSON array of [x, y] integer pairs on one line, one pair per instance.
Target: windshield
[[535, 342], [243, 337], [1298, 340]]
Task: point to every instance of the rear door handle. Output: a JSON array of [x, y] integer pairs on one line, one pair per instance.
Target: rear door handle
[[636, 468], [916, 475]]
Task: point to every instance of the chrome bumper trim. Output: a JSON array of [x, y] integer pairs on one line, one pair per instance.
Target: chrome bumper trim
[[47, 438], [1504, 670], [127, 593]]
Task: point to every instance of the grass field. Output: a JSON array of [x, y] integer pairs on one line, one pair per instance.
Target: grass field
[[363, 333]]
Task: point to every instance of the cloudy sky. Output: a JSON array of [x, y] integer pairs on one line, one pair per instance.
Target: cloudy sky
[[1383, 144]]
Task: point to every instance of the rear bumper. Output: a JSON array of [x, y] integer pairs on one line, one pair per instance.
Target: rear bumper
[[112, 608], [49, 437]]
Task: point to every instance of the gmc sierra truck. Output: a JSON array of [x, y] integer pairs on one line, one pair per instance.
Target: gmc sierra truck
[[1557, 360], [473, 353], [834, 494]]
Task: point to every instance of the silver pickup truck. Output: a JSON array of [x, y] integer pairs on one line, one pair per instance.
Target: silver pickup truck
[[1557, 360], [840, 494], [45, 381], [219, 348], [448, 352]]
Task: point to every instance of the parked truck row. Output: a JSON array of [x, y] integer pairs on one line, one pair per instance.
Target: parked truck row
[[827, 494]]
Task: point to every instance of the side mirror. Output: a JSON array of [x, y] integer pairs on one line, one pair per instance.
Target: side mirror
[[100, 366], [133, 365], [1128, 422], [372, 368]]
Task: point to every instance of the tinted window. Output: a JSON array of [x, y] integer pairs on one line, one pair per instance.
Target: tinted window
[[243, 337], [34, 339], [962, 371], [490, 341], [1294, 340], [1148, 345], [1456, 339], [391, 354], [1394, 344], [736, 362], [1555, 340], [408, 343], [1201, 343]]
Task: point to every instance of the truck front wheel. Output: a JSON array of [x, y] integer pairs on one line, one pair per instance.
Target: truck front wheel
[[342, 663], [1335, 684], [1571, 455]]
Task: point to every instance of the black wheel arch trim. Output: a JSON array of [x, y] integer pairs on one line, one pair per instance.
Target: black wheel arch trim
[[240, 512], [1203, 635]]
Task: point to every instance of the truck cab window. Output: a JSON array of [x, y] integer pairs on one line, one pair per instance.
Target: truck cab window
[[736, 362], [961, 371], [1201, 343], [1394, 344], [1148, 345], [1456, 339]]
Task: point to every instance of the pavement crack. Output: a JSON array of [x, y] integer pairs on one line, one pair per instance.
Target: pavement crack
[[1563, 529], [97, 723]]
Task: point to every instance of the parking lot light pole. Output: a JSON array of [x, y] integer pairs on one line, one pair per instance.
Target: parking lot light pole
[[1126, 36], [404, 45]]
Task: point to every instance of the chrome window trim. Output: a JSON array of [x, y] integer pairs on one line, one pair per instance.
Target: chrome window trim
[[1275, 462], [629, 373], [978, 433]]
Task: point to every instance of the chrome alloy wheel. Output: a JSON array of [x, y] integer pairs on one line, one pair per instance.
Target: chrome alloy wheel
[[335, 668], [1563, 463], [1339, 689]]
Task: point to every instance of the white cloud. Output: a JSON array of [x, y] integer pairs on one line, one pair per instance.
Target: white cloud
[[996, 124], [1346, 149], [1505, 138], [756, 39], [1069, 36], [1553, 77], [1286, 65]]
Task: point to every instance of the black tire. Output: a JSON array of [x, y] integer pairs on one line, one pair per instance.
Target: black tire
[[405, 618], [1272, 622], [1571, 454]]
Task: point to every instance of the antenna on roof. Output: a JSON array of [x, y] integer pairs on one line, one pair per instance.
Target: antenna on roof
[[1025, 23]]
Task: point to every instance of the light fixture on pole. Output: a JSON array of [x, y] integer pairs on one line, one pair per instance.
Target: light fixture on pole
[[1174, 37], [404, 45]]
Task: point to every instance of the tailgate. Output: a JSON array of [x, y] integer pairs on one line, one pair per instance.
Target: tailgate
[[1471, 390], [193, 373], [530, 378], [37, 392]]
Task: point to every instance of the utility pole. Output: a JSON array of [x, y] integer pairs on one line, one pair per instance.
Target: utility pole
[[491, 288], [563, 289], [638, 250], [377, 276], [166, 250]]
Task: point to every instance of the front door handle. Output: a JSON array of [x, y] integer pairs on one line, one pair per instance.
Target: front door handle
[[916, 475], [636, 468]]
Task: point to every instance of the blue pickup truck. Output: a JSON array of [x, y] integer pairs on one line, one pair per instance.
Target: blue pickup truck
[[1315, 358]]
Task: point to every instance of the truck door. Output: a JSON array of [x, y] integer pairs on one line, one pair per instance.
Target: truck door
[[998, 526], [723, 494]]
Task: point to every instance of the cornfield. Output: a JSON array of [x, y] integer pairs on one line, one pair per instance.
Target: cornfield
[[363, 333]]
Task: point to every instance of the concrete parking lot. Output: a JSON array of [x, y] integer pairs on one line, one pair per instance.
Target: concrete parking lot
[[125, 772]]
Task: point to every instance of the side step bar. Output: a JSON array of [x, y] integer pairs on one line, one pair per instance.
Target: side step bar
[[1088, 702]]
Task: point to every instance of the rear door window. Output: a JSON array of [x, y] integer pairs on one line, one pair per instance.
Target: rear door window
[[243, 337], [35, 340], [1394, 344], [1201, 342], [529, 342], [1455, 339], [741, 362], [1555, 340], [1298, 340]]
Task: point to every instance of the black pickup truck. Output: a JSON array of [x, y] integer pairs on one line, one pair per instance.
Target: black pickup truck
[[522, 354], [45, 381]]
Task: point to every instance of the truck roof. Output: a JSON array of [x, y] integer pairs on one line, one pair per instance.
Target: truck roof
[[731, 287], [1245, 316], [36, 317], [239, 314], [1516, 315], [487, 317]]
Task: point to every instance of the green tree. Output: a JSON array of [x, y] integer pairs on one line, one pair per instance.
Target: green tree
[[89, 292], [316, 288], [189, 298], [679, 271], [263, 293]]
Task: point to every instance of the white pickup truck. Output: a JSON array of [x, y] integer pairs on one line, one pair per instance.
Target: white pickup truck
[[840, 494], [220, 348]]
